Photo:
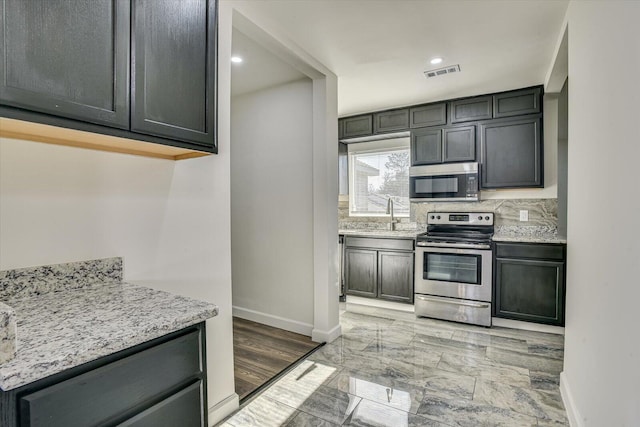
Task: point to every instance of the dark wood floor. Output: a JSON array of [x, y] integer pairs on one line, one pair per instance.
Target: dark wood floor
[[260, 352]]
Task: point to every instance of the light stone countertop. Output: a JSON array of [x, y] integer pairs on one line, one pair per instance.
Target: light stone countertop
[[7, 333], [67, 327], [528, 234], [387, 234], [525, 234]]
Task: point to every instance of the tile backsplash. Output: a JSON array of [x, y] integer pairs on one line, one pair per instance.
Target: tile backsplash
[[542, 213]]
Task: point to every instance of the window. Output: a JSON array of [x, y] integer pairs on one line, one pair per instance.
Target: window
[[378, 171]]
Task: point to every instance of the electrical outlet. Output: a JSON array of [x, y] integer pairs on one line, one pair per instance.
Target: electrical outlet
[[524, 215]]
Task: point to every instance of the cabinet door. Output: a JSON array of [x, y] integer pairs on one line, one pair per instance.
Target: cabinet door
[[428, 115], [426, 146], [459, 144], [470, 109], [361, 272], [395, 273], [353, 127], [517, 102], [530, 290], [67, 58], [390, 121], [511, 153], [174, 69]]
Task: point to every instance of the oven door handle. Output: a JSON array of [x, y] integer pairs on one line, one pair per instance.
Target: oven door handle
[[454, 245], [454, 302]]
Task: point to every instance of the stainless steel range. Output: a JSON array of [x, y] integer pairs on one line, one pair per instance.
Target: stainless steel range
[[454, 267]]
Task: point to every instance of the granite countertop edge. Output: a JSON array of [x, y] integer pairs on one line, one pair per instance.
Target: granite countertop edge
[[385, 234], [67, 344], [497, 237], [525, 238]]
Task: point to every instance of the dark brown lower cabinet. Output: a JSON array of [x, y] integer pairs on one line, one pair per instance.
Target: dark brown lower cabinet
[[161, 383], [530, 282], [379, 268], [395, 275]]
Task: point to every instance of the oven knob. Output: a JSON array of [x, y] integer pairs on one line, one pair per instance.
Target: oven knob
[[438, 217], [432, 216], [487, 218], [480, 218]]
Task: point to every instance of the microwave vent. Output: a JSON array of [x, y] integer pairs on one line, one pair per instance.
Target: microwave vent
[[442, 71]]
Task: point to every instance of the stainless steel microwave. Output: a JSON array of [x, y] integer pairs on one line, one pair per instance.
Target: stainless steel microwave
[[447, 182]]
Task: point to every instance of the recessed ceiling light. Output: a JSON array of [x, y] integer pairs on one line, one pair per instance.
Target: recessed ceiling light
[[236, 59], [436, 60]]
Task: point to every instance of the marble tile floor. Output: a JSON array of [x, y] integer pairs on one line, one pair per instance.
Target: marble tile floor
[[392, 369]]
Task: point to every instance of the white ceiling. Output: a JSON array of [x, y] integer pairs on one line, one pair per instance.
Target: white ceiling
[[379, 49]]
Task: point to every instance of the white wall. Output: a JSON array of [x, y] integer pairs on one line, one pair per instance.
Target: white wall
[[168, 220], [602, 343], [272, 206], [326, 325]]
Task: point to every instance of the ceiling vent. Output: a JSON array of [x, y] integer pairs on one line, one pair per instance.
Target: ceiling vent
[[442, 71]]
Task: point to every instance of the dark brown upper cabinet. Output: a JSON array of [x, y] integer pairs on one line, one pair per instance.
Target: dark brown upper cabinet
[[426, 146], [428, 115], [68, 59], [511, 153], [353, 127], [391, 121], [136, 70], [471, 109], [173, 73], [443, 145], [459, 144], [516, 103]]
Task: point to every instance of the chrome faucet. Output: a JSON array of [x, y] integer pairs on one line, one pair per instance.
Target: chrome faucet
[[392, 220]]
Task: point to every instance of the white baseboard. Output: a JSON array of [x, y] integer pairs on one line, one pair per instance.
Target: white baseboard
[[569, 404], [223, 409], [371, 302], [275, 321], [527, 326], [326, 336]]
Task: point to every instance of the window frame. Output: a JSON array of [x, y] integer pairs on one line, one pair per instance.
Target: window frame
[[372, 147]]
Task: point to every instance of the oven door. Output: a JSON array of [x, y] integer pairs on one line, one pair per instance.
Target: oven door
[[454, 272]]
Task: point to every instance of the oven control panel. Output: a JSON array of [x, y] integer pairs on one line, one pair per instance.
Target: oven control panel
[[460, 218]]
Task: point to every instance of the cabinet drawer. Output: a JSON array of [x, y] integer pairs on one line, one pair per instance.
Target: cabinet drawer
[[530, 250], [111, 391], [389, 121], [428, 115], [517, 102], [181, 409], [376, 243]]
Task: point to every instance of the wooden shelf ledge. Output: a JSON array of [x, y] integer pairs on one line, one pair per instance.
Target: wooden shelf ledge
[[19, 129]]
